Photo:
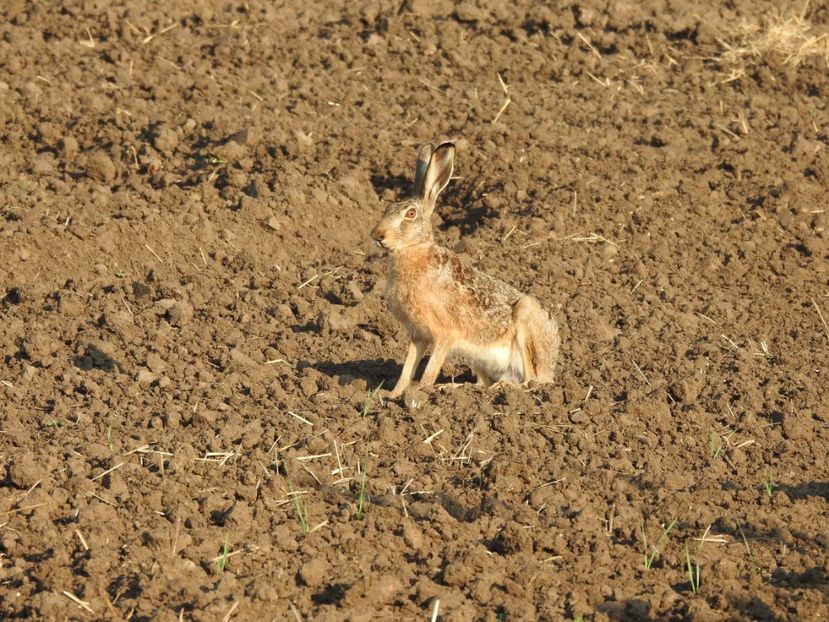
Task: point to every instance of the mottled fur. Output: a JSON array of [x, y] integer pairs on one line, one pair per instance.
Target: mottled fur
[[459, 311]]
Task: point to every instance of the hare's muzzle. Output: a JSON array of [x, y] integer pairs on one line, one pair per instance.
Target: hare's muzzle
[[378, 235]]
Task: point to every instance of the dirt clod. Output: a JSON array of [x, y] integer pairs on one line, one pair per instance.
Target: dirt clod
[[99, 166], [25, 471], [313, 573], [512, 538]]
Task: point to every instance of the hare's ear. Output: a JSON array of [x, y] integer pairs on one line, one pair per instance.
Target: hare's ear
[[423, 157], [437, 175]]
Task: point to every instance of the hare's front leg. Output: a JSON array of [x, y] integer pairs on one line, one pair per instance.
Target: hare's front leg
[[439, 352], [413, 357]]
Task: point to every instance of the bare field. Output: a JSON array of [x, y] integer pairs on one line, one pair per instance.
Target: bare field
[[193, 331]]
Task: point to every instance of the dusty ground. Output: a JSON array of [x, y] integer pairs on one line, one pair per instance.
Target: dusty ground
[[192, 323]]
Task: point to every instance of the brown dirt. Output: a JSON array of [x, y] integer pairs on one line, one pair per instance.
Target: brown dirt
[[191, 316]]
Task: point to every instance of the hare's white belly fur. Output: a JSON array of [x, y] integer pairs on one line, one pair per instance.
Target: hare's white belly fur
[[497, 361]]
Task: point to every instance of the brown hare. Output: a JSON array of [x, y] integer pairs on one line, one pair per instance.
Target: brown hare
[[458, 311]]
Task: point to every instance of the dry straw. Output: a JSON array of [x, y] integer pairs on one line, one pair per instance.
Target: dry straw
[[788, 39]]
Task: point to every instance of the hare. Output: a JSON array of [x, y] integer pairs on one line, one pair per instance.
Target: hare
[[458, 311]]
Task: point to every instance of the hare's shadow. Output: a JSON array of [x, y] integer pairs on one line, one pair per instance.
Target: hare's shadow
[[807, 489], [399, 183], [459, 208], [455, 207], [373, 371], [385, 371]]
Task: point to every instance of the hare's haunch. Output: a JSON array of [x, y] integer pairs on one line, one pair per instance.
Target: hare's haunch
[[456, 310]]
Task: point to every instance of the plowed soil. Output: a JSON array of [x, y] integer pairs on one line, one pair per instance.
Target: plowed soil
[[193, 330]]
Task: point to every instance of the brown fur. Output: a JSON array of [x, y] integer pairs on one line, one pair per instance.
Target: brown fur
[[457, 310]]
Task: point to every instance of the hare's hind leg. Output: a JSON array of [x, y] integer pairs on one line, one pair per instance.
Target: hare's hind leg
[[537, 339], [416, 349]]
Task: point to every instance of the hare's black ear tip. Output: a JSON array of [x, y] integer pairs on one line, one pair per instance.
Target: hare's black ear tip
[[447, 148]]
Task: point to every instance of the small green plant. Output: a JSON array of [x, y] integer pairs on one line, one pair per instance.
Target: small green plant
[[221, 560], [362, 497], [651, 553], [371, 395], [715, 446], [120, 274], [215, 160], [692, 567], [768, 483], [110, 444], [53, 423], [301, 509], [718, 444], [754, 568]]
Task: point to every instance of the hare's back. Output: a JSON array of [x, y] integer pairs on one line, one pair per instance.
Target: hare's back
[[483, 303]]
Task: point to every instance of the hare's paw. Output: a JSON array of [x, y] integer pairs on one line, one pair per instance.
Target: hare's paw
[[397, 392], [500, 385], [391, 395]]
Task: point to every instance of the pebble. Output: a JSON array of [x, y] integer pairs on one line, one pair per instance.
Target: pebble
[[145, 376], [155, 363], [578, 416], [274, 224]]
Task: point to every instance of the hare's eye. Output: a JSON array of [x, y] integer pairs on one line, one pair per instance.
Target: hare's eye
[[410, 213]]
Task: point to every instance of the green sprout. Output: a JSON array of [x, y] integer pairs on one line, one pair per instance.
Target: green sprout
[[650, 554], [221, 560]]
